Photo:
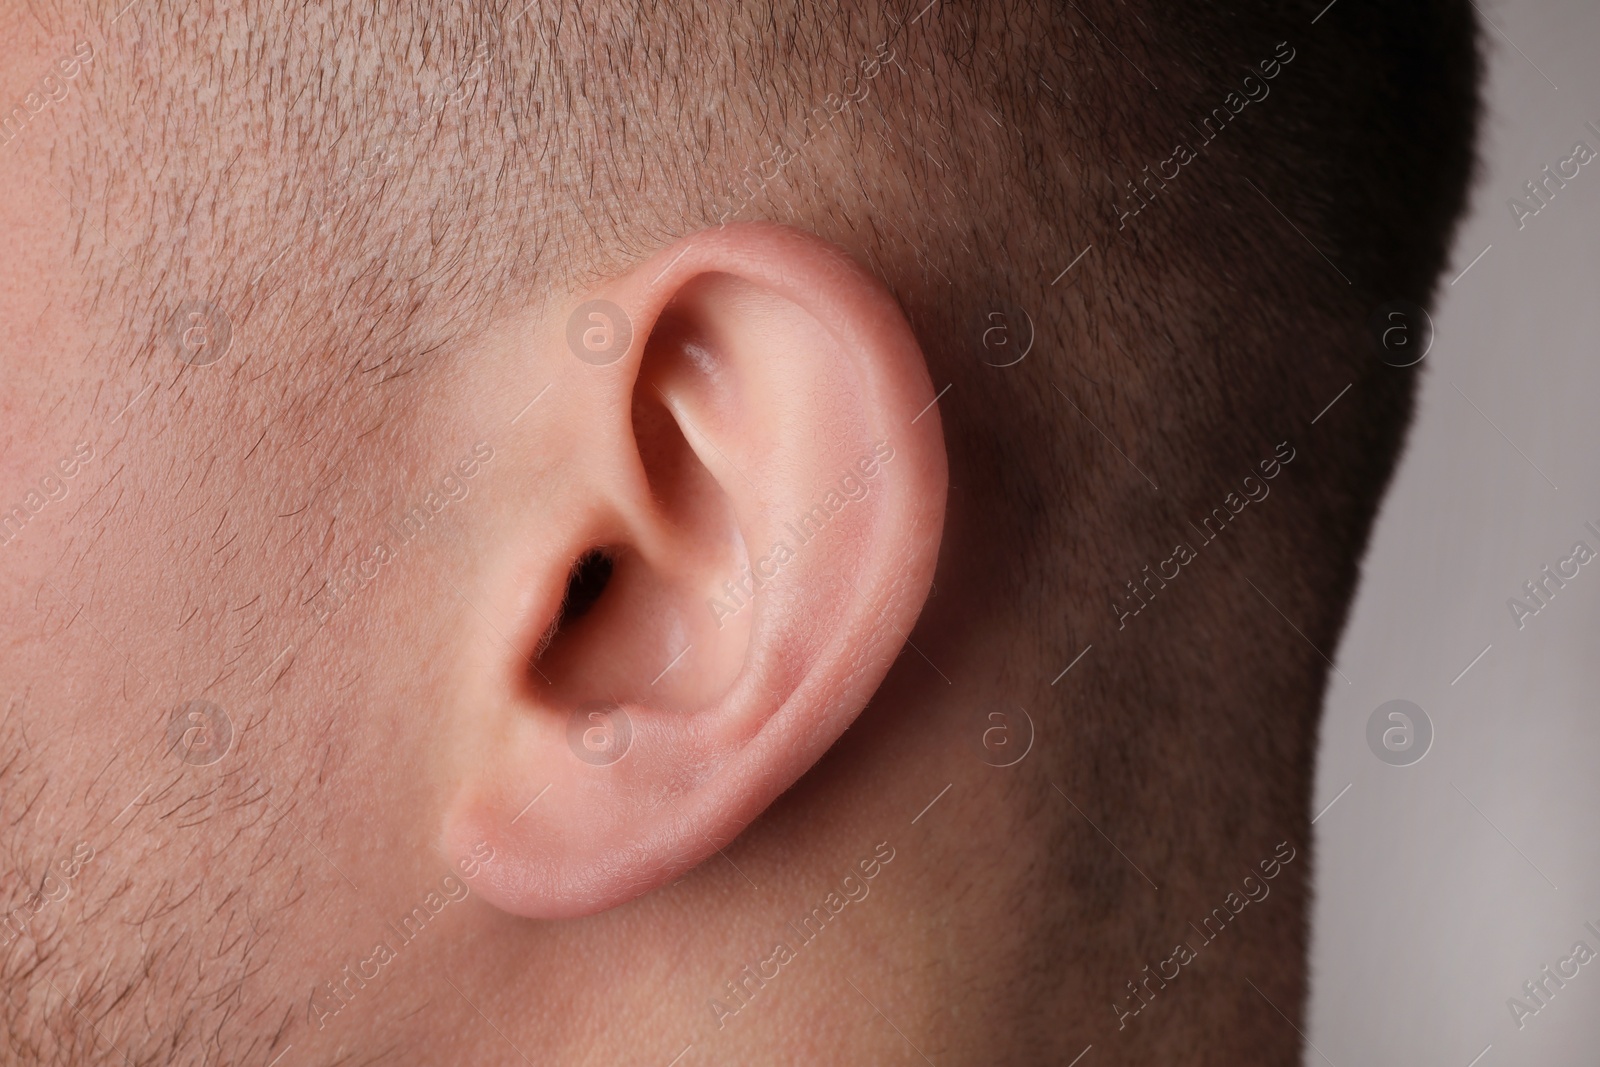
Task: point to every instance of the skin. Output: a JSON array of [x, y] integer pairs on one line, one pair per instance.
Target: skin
[[328, 824], [357, 752], [387, 744]]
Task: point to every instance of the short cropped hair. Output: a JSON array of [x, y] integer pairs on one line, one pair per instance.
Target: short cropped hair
[[1191, 211], [1141, 244]]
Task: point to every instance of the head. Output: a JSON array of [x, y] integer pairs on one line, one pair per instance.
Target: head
[[581, 531]]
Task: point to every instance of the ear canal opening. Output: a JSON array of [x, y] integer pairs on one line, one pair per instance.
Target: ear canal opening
[[587, 581], [589, 578], [635, 624]]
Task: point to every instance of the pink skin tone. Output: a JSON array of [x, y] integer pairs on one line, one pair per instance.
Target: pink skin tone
[[403, 737], [784, 363]]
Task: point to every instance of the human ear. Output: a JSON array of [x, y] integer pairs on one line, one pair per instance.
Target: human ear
[[705, 596]]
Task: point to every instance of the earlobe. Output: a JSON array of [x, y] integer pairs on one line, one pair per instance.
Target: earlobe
[[762, 477]]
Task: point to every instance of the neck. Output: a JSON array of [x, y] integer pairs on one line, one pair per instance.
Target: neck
[[913, 899]]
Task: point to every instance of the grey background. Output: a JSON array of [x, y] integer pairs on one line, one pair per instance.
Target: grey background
[[1431, 912]]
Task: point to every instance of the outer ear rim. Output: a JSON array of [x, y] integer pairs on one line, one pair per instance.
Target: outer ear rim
[[836, 684], [872, 321]]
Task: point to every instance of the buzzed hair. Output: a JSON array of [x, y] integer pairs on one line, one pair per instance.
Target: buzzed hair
[[360, 190], [1185, 213]]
